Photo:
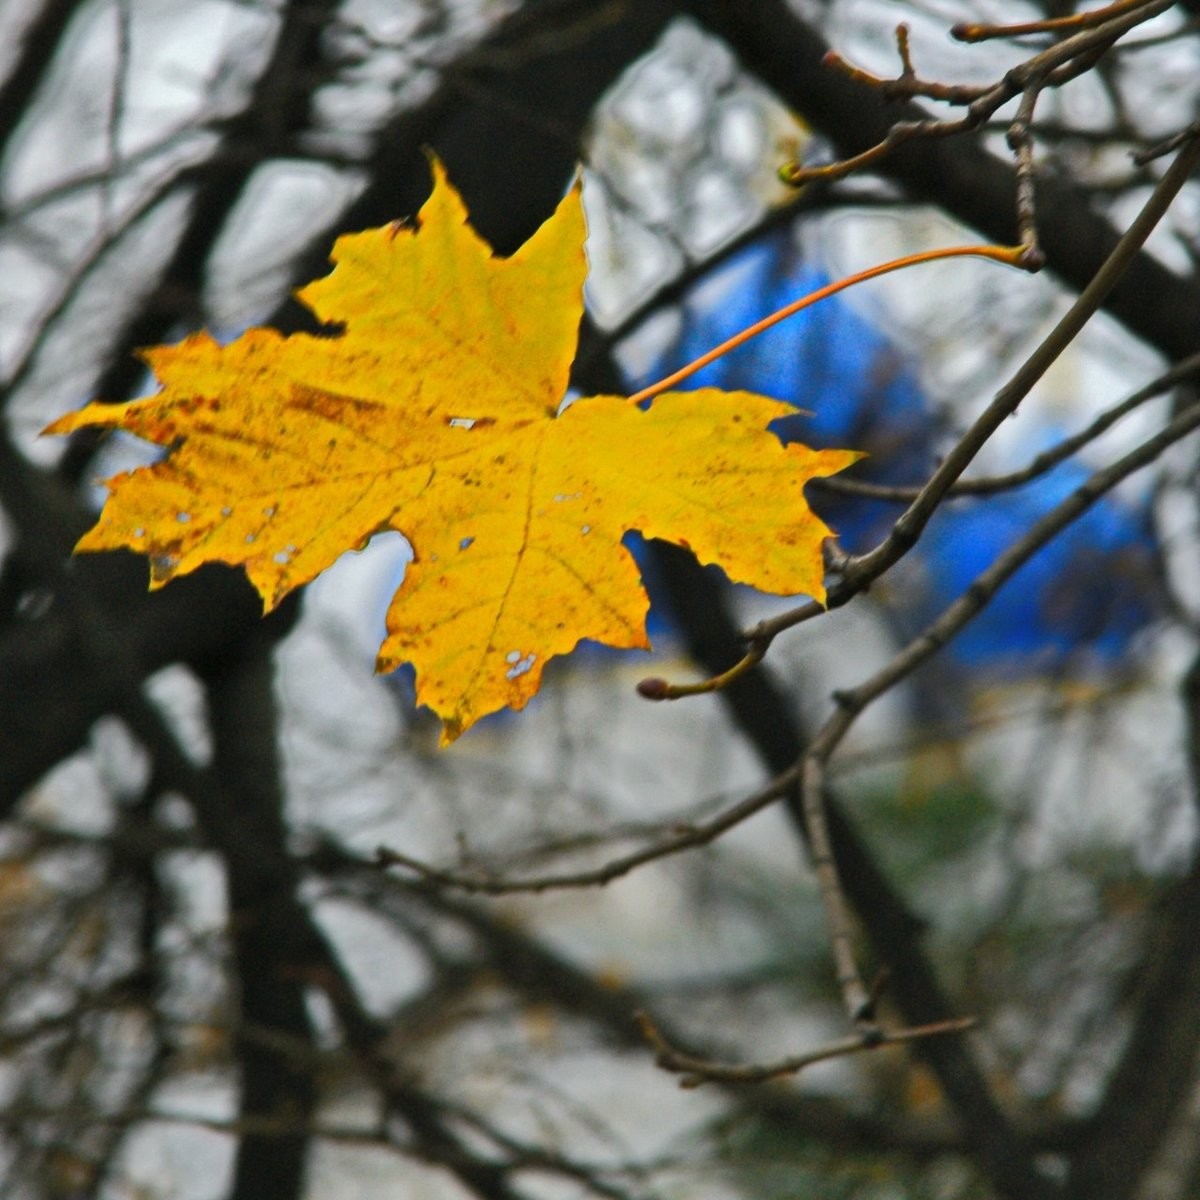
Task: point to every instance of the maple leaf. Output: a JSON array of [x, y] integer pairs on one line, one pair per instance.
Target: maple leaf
[[436, 412]]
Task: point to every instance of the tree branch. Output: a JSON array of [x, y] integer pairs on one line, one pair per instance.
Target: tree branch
[[958, 176]]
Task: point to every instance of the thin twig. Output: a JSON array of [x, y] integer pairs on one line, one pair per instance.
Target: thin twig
[[1165, 147], [1020, 141], [684, 838], [966, 31], [1051, 68], [116, 113], [697, 1071]]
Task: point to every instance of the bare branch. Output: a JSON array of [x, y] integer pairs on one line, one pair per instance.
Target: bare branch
[[697, 1071]]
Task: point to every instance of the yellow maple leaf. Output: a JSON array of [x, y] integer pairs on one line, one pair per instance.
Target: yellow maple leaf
[[436, 412]]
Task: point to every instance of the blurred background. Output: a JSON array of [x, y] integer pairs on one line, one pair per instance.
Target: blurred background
[[210, 988]]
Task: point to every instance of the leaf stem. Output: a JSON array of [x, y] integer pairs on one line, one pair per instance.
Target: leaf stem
[[660, 689], [1012, 256]]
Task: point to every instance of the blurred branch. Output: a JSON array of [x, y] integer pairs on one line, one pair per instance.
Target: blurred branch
[[487, 120], [1155, 1074], [280, 100], [43, 36], [683, 837], [763, 711], [1156, 1071], [1167, 145], [107, 243], [695, 1071], [242, 818], [381, 1134], [174, 140], [279, 950]]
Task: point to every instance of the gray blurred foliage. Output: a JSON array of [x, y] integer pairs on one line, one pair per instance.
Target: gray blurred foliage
[[208, 988]]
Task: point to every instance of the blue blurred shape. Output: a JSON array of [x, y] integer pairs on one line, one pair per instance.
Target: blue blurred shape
[[1076, 605]]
